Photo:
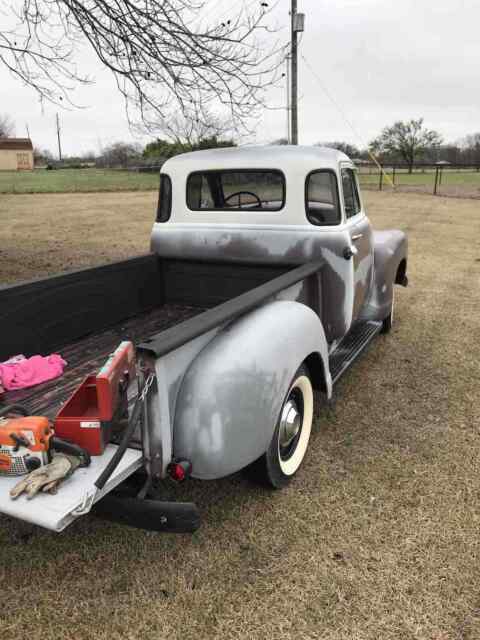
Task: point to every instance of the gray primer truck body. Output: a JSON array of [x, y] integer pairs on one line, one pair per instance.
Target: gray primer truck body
[[252, 295], [225, 398]]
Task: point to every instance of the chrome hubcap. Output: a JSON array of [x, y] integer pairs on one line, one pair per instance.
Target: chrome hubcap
[[290, 423]]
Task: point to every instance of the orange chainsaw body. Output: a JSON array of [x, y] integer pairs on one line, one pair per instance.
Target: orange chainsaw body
[[22, 439]]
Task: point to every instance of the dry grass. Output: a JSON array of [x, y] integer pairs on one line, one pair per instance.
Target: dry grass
[[378, 536], [44, 234]]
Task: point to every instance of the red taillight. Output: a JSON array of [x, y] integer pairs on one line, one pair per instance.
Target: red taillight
[[179, 471]]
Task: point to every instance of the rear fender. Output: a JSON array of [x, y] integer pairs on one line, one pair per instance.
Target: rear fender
[[231, 396], [390, 267]]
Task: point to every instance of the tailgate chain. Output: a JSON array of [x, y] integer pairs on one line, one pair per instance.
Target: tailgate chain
[[89, 497]]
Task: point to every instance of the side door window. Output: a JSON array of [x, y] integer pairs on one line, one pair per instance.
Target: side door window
[[350, 193], [321, 198]]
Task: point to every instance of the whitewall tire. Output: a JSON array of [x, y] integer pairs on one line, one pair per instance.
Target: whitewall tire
[[289, 443]]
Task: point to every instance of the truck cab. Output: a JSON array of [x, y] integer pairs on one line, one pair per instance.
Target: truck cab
[[282, 205]]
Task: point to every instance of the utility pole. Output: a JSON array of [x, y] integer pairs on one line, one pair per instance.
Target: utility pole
[[28, 131], [289, 112], [58, 138], [294, 76], [298, 25]]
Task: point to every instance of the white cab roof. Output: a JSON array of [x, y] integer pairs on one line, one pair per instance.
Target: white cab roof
[[283, 157]]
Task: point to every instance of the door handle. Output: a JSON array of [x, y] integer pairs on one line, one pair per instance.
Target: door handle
[[349, 252], [357, 236]]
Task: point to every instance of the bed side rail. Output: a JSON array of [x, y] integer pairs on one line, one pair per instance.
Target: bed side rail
[[171, 339]]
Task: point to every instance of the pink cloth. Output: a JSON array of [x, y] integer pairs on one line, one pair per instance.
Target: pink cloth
[[19, 373]]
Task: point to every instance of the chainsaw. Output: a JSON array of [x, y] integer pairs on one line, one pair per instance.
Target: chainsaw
[[27, 442]]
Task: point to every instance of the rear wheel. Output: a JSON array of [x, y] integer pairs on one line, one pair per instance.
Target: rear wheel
[[290, 440]]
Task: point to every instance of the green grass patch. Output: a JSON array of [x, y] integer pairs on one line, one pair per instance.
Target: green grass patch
[[76, 180], [427, 178]]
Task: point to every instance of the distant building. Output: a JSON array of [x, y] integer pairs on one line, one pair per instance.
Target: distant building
[[16, 154]]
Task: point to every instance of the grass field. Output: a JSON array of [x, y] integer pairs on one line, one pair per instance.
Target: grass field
[[72, 180], [453, 183], [378, 536]]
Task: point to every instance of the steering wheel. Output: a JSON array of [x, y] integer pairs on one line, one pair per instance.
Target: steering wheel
[[239, 193]]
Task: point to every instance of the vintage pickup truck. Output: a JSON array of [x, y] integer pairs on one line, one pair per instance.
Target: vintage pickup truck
[[265, 281]]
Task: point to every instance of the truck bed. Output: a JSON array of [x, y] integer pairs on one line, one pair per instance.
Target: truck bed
[[87, 355], [84, 315], [159, 304]]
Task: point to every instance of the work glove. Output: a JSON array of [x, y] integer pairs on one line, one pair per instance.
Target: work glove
[[46, 478]]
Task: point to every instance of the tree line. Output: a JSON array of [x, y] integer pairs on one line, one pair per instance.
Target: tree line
[[125, 154], [406, 142], [410, 142], [465, 151]]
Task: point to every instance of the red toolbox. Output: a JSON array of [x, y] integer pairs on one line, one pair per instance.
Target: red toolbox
[[86, 418]]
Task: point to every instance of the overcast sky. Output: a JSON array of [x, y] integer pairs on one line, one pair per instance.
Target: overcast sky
[[380, 60]]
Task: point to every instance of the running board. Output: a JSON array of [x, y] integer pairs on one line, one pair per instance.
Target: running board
[[57, 511], [352, 346]]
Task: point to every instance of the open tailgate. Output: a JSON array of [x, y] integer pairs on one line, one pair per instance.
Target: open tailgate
[[55, 512]]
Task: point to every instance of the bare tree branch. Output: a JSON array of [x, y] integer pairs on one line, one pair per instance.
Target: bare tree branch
[[166, 59], [7, 126]]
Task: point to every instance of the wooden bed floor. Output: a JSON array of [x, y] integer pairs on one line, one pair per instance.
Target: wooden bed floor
[[87, 355]]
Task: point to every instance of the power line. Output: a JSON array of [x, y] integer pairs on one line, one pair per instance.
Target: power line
[[346, 119]]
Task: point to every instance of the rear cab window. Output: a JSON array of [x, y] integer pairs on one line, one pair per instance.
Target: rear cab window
[[164, 209], [236, 190], [321, 198]]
